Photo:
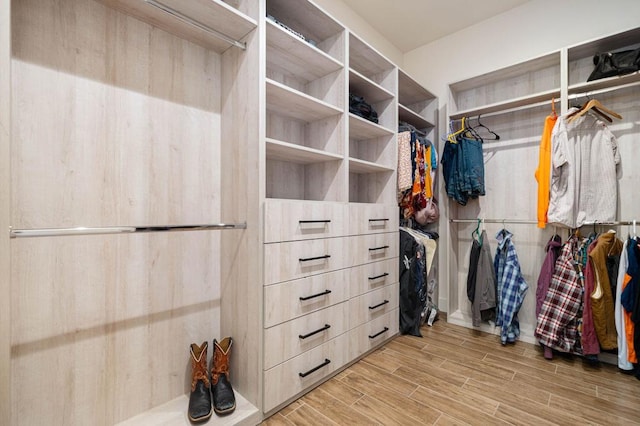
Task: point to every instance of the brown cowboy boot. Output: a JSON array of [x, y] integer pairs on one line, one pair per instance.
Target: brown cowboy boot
[[200, 398], [224, 401]]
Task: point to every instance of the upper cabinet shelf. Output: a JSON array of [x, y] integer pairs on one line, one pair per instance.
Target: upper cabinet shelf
[[369, 63], [210, 23], [359, 128], [416, 105], [291, 55], [372, 91], [581, 62], [291, 103], [511, 87]]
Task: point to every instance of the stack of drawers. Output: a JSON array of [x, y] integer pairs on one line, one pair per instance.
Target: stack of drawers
[[331, 289]]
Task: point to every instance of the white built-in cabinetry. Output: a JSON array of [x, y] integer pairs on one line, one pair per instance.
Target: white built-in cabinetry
[[125, 114], [514, 101]]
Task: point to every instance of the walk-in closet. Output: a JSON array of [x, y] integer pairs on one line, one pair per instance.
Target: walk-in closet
[[350, 211]]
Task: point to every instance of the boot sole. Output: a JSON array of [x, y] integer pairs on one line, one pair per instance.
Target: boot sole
[[227, 411], [200, 419]]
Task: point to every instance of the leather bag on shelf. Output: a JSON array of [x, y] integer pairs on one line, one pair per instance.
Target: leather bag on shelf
[[612, 64]]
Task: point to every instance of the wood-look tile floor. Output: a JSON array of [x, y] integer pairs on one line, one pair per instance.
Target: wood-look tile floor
[[454, 375]]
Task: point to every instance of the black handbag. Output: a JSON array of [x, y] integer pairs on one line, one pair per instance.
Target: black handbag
[[359, 107], [616, 63]]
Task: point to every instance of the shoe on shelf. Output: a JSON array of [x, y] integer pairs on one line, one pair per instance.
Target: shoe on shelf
[[224, 400], [200, 397]]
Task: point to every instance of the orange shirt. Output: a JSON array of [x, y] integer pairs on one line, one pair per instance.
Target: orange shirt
[[543, 172]]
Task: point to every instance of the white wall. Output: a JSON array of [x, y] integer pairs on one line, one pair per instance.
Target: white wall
[[345, 15], [530, 30], [533, 29]]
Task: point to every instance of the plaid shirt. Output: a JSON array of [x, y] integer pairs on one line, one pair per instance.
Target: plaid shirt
[[557, 325], [511, 287]]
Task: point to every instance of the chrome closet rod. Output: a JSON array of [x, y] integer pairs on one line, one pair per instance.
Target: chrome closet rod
[[57, 232], [511, 221], [534, 222], [196, 24]]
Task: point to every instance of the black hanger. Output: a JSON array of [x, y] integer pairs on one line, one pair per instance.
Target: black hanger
[[496, 137]]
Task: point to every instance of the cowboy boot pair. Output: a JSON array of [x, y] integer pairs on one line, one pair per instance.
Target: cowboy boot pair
[[224, 401]]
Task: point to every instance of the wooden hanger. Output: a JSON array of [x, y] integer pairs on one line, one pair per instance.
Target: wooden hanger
[[597, 107]]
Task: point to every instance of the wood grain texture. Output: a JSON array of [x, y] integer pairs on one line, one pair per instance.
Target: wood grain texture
[[397, 390], [100, 119], [372, 218], [360, 310], [282, 300], [284, 219], [5, 212], [369, 277], [96, 309]]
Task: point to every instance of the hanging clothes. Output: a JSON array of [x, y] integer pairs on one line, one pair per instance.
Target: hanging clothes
[[483, 304], [546, 272], [543, 172], [630, 302], [588, 335], [606, 245], [416, 171], [557, 324], [585, 160], [511, 287], [623, 347], [404, 161], [463, 166], [417, 250]]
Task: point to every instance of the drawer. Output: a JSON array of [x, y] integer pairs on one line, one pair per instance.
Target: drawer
[[372, 218], [373, 334], [289, 339], [282, 302], [373, 304], [298, 259], [372, 276], [299, 220], [373, 247], [300, 373]]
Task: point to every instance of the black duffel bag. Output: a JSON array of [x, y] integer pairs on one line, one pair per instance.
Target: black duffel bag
[[615, 63], [359, 107]]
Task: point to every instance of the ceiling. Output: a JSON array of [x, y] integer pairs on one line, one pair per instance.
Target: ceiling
[[408, 24]]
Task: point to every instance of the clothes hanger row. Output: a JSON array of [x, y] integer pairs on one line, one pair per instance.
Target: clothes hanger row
[[473, 132]]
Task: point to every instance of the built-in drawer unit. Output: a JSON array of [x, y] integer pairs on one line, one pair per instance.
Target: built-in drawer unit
[[373, 304], [373, 333], [299, 220], [289, 339], [298, 374], [372, 218], [298, 259], [373, 247], [293, 299], [372, 276]]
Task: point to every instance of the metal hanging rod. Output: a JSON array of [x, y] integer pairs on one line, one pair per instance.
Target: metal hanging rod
[[535, 222], [57, 232], [511, 221], [196, 24]]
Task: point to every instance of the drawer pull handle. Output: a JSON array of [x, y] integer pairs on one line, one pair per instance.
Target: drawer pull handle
[[379, 333], [379, 304], [378, 248], [314, 221], [379, 276], [320, 330], [315, 295], [307, 259], [327, 361], [378, 220]]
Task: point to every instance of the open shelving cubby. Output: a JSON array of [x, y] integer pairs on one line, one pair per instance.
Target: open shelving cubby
[[305, 84], [416, 105], [519, 85], [581, 64], [372, 146]]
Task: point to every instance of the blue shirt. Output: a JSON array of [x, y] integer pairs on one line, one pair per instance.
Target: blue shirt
[[511, 287]]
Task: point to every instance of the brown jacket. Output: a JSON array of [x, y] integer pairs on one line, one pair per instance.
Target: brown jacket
[[602, 303]]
